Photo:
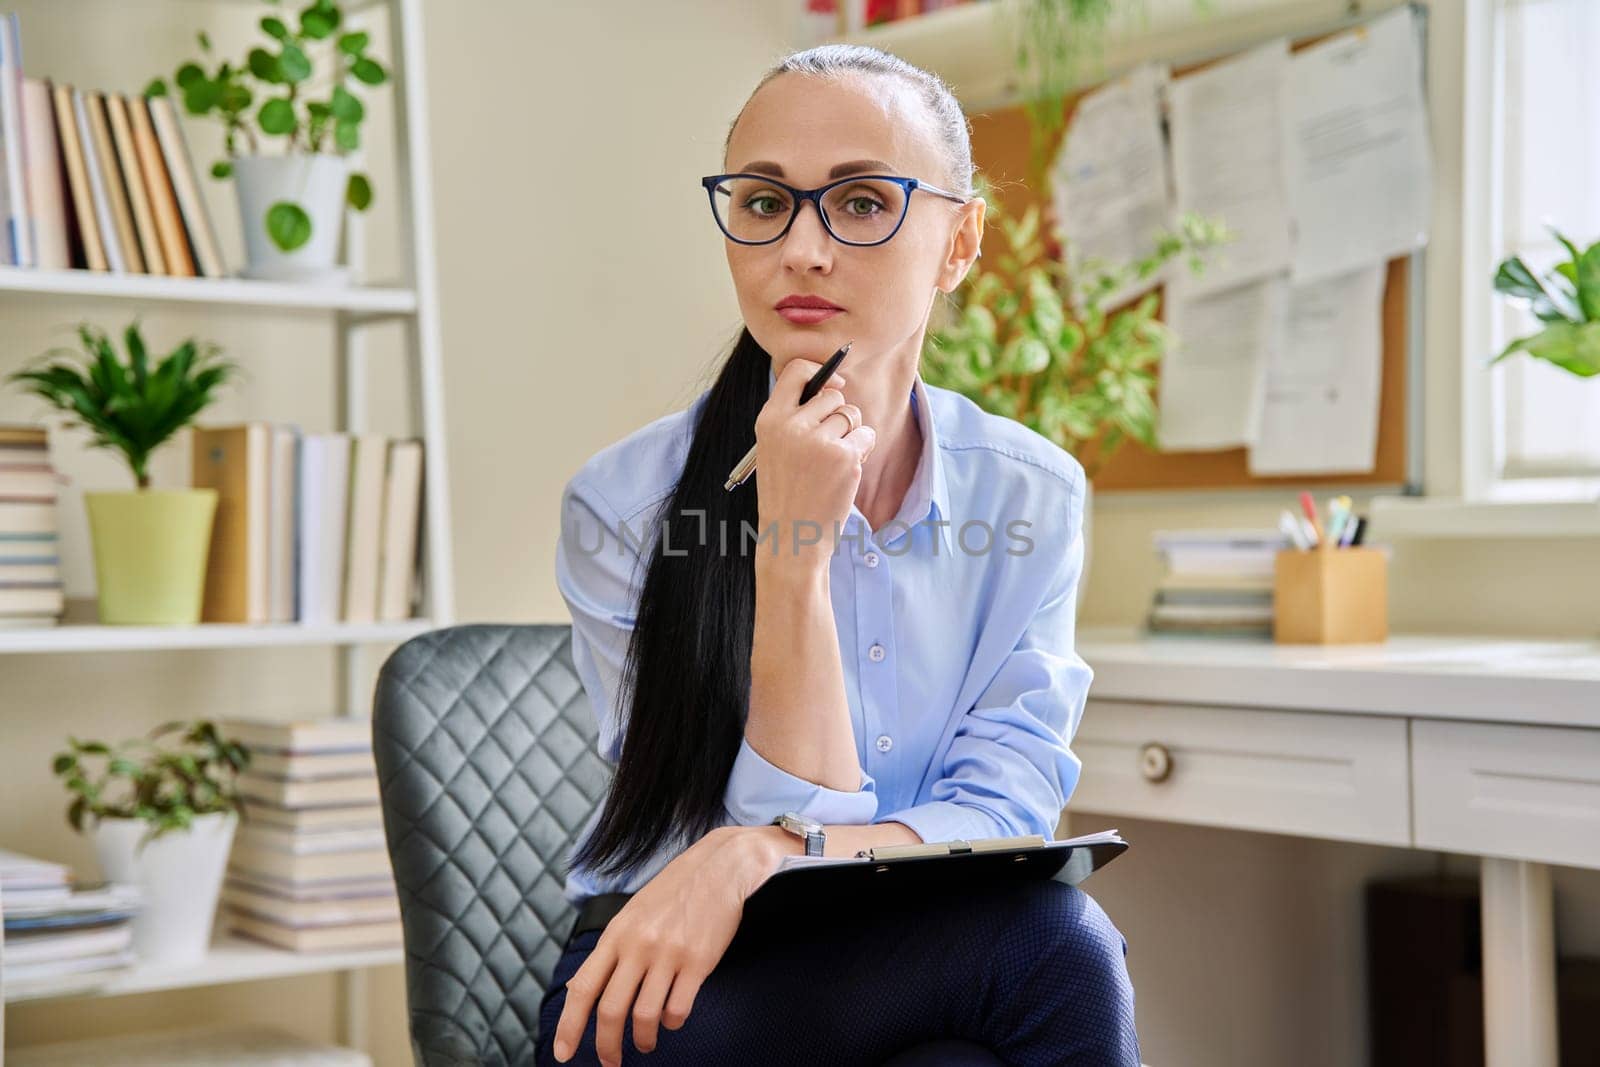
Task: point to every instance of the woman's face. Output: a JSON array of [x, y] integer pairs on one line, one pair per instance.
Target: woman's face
[[808, 126]]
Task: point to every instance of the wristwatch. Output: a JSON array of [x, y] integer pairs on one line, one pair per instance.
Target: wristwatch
[[807, 830]]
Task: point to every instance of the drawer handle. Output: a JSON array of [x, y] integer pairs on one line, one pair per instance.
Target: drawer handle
[[1155, 762]]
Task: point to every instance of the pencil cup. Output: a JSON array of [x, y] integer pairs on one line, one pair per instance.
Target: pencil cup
[[1328, 596]]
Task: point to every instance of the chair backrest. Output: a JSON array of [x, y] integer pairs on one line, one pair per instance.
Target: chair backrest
[[488, 769]]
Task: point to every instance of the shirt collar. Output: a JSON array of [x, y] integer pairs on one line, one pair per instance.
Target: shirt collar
[[928, 497]]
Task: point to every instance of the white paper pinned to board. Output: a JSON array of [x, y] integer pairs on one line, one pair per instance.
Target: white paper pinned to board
[[1227, 162], [1109, 179], [1320, 405], [1212, 380], [1356, 155]]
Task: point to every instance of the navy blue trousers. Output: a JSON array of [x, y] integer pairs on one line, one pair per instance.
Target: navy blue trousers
[[1033, 970]]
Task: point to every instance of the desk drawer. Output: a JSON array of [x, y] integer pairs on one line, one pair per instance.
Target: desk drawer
[[1289, 772], [1523, 792]]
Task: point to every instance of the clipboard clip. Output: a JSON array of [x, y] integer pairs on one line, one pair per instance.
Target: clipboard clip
[[951, 848]]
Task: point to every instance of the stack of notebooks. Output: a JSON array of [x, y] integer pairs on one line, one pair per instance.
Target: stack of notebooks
[[54, 929], [309, 869], [1216, 583], [97, 180], [310, 527], [31, 593]]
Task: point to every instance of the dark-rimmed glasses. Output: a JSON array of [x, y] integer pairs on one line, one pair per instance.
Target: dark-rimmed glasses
[[754, 209]]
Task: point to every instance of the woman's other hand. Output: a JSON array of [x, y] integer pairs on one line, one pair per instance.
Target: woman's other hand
[[656, 952], [810, 466]]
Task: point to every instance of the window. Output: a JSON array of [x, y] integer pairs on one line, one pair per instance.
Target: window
[[1546, 422]]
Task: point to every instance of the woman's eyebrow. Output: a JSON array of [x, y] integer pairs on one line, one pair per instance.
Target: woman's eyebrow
[[855, 166]]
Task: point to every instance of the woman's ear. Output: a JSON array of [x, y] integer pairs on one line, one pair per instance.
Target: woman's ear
[[966, 244]]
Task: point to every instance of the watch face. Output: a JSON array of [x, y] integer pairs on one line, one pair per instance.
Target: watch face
[[801, 824]]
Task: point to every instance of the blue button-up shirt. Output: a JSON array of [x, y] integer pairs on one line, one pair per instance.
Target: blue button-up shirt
[[955, 620]]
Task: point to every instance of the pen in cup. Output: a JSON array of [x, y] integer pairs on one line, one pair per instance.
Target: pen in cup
[[1339, 517], [1309, 506], [1291, 529], [747, 465]]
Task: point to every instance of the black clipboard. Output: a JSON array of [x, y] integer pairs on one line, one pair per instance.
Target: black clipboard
[[858, 879]]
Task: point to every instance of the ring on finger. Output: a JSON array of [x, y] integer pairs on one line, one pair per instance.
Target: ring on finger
[[849, 419]]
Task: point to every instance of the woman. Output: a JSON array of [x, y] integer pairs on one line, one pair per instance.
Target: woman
[[874, 631]]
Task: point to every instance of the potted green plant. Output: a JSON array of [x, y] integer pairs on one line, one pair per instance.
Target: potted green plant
[[150, 545], [1566, 300], [1023, 339], [297, 87], [161, 811]]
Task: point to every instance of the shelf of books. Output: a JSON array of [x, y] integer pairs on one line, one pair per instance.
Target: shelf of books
[[337, 539], [308, 886], [319, 547]]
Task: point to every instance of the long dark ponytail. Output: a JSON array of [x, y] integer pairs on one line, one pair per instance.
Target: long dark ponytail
[[688, 664], [686, 676]]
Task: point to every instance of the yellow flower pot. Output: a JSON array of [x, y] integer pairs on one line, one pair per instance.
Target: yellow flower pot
[[150, 549]]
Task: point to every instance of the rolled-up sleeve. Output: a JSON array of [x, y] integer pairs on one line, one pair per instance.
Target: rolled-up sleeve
[[1010, 767], [759, 791], [600, 572]]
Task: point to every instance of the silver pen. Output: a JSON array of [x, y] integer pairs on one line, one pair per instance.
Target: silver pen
[[747, 466]]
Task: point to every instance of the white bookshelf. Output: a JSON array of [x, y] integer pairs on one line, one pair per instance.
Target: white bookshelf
[[414, 301], [228, 292], [971, 45], [231, 959], [95, 638]]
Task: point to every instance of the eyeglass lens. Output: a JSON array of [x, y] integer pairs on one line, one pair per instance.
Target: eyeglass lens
[[861, 211]]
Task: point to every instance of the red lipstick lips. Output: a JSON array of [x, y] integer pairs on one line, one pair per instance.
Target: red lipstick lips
[[806, 310]]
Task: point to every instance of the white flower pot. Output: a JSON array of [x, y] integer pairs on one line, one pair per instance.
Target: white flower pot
[[317, 184], [179, 875]]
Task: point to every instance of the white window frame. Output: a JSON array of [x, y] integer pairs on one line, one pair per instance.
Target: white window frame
[[1487, 477], [1464, 497]]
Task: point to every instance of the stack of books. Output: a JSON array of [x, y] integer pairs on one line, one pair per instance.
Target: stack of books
[[1216, 582], [310, 869], [31, 593], [96, 179], [54, 929], [310, 527]]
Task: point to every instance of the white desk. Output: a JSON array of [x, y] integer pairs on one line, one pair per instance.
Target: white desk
[[1475, 745]]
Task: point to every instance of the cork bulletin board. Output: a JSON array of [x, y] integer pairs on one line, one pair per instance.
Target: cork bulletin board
[[1001, 149]]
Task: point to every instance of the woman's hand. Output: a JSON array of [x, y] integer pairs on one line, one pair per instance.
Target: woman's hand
[[654, 954], [809, 467]]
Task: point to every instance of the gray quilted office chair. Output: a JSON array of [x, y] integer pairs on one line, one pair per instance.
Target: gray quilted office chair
[[485, 746]]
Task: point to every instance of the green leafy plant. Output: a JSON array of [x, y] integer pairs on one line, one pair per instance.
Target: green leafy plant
[[1026, 341], [166, 783], [1566, 300], [128, 406], [302, 77]]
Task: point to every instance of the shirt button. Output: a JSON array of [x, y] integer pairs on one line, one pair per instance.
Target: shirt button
[[875, 653], [885, 742], [872, 559]]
